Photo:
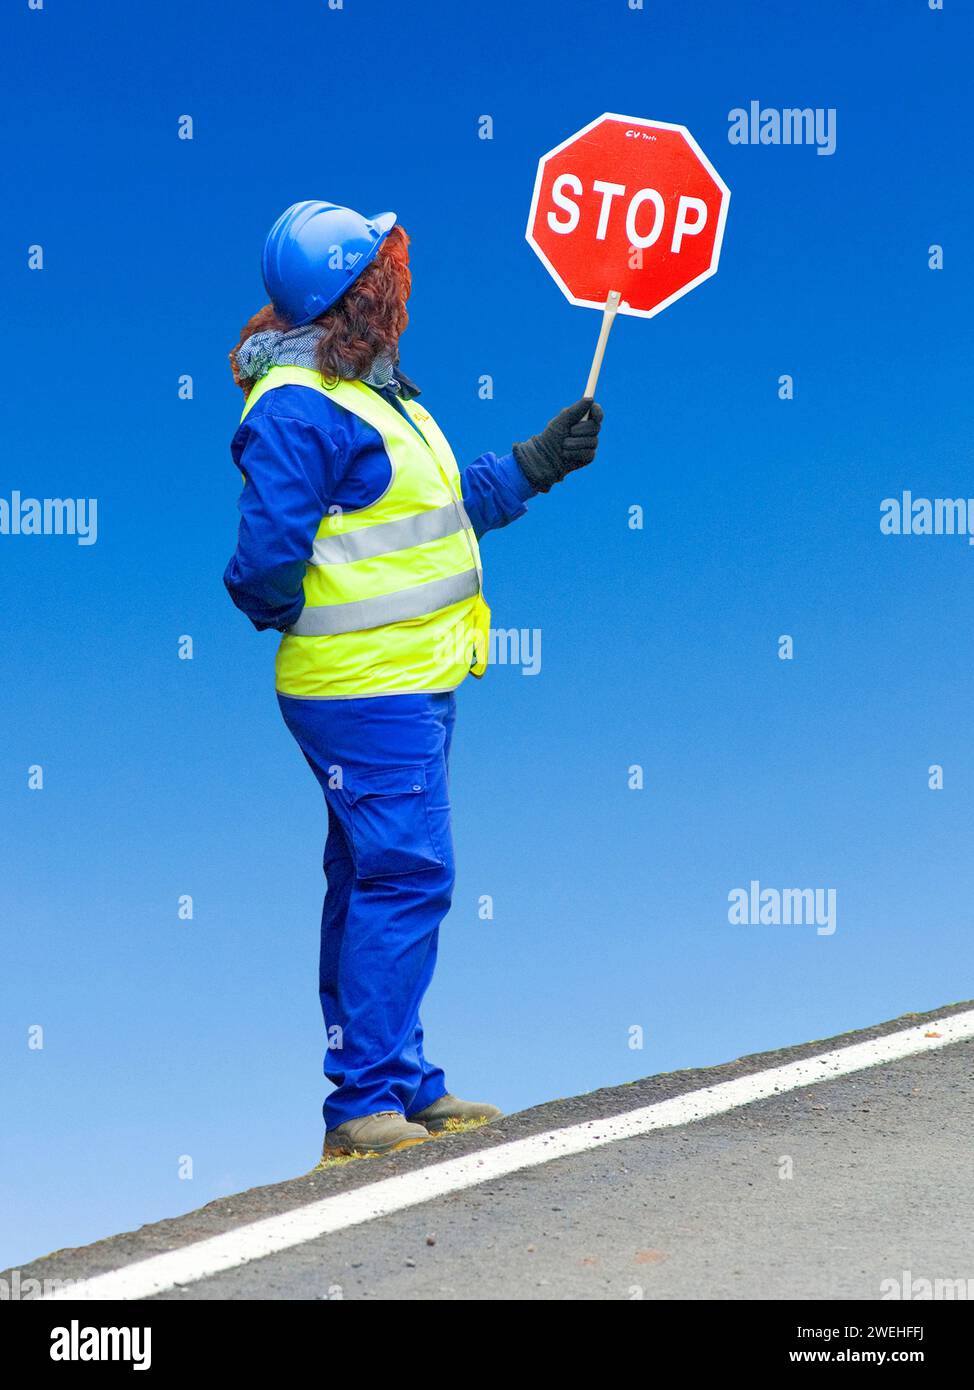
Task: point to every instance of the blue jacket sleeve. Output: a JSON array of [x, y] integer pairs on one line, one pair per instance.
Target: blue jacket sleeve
[[494, 492], [285, 463]]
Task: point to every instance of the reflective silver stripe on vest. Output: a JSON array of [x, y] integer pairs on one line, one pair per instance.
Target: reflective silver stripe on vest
[[331, 619], [389, 536]]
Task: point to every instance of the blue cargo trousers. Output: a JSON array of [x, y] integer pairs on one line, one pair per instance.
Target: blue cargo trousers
[[381, 762]]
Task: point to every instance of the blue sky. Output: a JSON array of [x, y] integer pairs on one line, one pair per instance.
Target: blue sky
[[659, 647]]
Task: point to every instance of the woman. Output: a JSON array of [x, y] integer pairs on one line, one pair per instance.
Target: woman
[[358, 540]]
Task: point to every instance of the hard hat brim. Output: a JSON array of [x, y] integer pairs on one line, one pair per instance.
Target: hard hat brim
[[384, 222]]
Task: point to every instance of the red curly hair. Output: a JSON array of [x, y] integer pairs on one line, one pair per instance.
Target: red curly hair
[[365, 323]]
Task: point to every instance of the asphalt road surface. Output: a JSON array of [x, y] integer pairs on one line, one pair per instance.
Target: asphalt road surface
[[847, 1188]]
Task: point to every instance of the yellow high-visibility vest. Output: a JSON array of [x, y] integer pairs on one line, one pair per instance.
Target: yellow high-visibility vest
[[393, 591]]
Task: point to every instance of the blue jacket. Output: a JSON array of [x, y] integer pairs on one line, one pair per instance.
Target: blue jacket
[[300, 454]]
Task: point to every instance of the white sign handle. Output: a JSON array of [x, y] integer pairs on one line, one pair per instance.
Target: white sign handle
[[608, 315]]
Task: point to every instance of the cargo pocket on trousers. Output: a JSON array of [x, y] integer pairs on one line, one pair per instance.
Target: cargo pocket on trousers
[[389, 822]]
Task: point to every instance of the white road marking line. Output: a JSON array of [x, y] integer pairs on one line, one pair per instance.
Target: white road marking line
[[159, 1273]]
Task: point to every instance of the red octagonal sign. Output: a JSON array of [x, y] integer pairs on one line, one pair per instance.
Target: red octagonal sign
[[630, 205]]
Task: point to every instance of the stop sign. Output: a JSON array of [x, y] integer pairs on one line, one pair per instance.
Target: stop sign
[[628, 205]]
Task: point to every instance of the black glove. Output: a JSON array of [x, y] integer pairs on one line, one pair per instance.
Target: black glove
[[567, 442]]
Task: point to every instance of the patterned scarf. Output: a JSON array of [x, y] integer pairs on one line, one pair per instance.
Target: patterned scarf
[[296, 348]]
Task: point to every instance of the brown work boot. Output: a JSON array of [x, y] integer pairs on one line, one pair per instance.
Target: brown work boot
[[438, 1115], [380, 1133]]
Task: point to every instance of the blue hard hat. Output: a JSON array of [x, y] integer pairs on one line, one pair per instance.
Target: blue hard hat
[[314, 252]]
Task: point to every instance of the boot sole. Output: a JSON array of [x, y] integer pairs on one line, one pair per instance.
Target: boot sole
[[376, 1150]]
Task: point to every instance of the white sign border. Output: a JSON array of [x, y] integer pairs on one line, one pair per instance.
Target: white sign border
[[624, 307]]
